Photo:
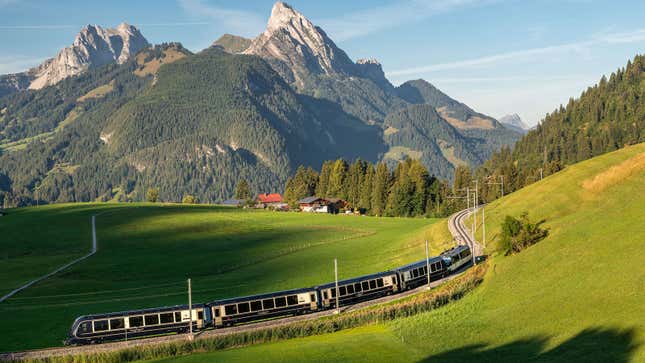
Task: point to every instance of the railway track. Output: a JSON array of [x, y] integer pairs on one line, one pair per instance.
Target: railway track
[[455, 224]]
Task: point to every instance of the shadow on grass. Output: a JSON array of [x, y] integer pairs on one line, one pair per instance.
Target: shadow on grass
[[590, 345]]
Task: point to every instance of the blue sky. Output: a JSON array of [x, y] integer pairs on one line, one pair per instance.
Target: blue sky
[[498, 56]]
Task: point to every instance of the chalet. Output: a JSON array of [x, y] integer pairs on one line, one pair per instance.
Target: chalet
[[321, 205], [270, 201]]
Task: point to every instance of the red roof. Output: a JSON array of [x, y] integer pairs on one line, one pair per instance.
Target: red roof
[[270, 198]]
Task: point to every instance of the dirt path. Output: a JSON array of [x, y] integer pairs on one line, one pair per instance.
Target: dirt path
[[41, 278]]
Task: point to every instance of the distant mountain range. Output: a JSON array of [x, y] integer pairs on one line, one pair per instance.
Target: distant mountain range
[[515, 123], [111, 116]]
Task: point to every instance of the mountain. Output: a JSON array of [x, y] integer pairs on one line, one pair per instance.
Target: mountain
[[515, 123], [232, 43], [197, 123], [297, 49], [93, 47]]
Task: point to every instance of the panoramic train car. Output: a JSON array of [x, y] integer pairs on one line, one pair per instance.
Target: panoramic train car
[[456, 257], [124, 325], [358, 289], [259, 307], [416, 274]]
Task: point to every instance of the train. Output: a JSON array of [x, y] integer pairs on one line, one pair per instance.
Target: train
[[99, 328]]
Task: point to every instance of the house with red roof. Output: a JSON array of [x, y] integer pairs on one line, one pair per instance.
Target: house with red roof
[[273, 200]]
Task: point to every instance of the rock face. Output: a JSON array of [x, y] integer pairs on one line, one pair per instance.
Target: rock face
[[296, 48], [371, 68], [94, 46], [515, 123]]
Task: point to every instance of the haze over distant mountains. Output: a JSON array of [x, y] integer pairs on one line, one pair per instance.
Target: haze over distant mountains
[[514, 122], [101, 123]]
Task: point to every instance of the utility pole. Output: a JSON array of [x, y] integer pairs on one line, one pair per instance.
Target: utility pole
[[190, 312], [336, 278], [428, 264], [484, 225], [540, 173], [502, 178]]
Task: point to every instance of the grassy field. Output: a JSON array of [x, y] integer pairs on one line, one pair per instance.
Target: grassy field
[[147, 251], [575, 296]]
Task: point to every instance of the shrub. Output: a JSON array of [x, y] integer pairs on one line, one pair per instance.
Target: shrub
[[189, 199], [518, 234]]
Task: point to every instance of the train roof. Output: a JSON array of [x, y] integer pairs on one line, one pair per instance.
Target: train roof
[[136, 312], [419, 263], [456, 249], [357, 279], [261, 296]]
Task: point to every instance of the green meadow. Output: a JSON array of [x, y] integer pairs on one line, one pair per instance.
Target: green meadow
[[576, 296], [147, 251]]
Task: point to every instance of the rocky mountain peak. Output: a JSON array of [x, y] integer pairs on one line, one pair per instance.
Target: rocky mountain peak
[[93, 46], [297, 48], [514, 122]]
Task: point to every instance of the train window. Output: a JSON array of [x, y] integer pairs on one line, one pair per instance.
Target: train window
[[415, 273], [177, 316], [433, 268], [200, 315], [152, 319], [100, 325], [292, 300], [333, 292], [136, 321], [230, 309], [350, 289], [280, 302], [379, 282], [117, 323], [256, 305], [366, 285], [267, 304], [325, 296], [357, 287], [313, 297], [166, 318], [342, 290], [394, 279], [243, 308], [372, 284], [216, 312], [85, 327]]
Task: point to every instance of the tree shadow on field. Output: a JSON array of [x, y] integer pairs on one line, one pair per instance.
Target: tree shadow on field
[[590, 345]]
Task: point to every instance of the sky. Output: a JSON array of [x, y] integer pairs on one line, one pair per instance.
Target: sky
[[497, 56]]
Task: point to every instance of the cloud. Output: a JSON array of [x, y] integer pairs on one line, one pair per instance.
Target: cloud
[[239, 21], [35, 27], [364, 22], [580, 48]]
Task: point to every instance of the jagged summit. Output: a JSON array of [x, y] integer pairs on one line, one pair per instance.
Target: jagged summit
[[94, 46], [301, 47], [514, 122]]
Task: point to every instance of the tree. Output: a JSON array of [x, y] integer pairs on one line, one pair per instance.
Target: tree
[[302, 184], [323, 179], [242, 190], [189, 199], [337, 180], [518, 234], [381, 186], [152, 195]]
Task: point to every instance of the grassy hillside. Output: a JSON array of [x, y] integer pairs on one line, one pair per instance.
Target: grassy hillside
[[575, 296], [147, 251]]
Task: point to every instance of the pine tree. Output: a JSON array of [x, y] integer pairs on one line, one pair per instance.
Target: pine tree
[[381, 186], [242, 190], [337, 179]]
